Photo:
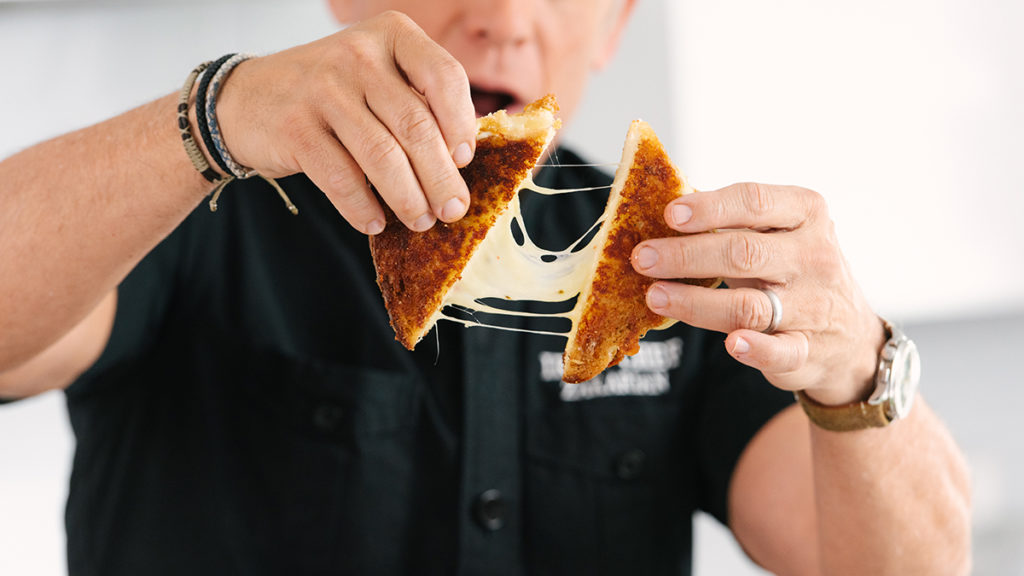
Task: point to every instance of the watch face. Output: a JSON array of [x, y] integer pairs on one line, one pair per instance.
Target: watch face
[[906, 373]]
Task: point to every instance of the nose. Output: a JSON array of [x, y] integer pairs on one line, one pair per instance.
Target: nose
[[500, 22]]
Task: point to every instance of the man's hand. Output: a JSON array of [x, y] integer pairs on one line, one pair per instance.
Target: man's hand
[[776, 237], [379, 99], [851, 502]]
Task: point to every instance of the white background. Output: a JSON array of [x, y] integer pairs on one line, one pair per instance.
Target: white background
[[906, 115]]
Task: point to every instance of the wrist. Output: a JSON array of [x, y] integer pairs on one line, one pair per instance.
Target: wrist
[[857, 382], [896, 380]]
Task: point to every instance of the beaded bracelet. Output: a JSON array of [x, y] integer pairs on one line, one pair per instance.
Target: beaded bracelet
[[239, 171], [191, 148]]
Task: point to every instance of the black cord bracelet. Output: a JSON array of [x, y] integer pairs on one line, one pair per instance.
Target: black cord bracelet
[[204, 129]]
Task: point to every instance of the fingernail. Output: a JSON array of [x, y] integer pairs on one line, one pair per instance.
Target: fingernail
[[463, 154], [646, 257], [681, 214], [375, 227], [740, 347], [423, 223], [453, 209], [657, 298]]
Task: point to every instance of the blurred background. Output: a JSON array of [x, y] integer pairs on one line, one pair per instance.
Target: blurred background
[[905, 115]]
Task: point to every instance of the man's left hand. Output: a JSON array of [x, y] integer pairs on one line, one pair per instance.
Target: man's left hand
[[779, 238]]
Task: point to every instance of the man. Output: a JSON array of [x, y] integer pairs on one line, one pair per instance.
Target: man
[[240, 405]]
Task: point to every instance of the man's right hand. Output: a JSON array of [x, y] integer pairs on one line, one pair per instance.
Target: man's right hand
[[379, 99]]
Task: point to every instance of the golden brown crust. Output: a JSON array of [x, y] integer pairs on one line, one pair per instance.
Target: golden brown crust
[[614, 314], [415, 270]]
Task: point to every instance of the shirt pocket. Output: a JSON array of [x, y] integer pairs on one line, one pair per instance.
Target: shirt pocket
[[330, 462], [607, 486], [348, 406]]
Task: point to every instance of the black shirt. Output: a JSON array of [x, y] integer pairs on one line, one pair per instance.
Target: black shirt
[[253, 414]]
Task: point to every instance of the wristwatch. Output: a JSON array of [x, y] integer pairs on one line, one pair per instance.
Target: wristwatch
[[899, 372]]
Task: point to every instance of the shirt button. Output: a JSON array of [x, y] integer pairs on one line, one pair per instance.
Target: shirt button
[[327, 417], [489, 510], [630, 464]]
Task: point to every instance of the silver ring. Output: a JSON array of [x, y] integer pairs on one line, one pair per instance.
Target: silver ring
[[776, 311]]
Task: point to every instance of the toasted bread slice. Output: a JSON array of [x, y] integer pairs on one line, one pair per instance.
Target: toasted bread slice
[[416, 270], [611, 314]]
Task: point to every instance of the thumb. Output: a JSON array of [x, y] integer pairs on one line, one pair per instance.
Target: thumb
[[780, 356]]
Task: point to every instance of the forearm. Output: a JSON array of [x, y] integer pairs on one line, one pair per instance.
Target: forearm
[[78, 212], [892, 500]]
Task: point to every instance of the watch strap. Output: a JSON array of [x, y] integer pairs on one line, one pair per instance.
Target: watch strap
[[856, 416]]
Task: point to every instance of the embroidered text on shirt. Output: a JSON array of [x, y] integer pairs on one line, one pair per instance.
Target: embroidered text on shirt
[[645, 374]]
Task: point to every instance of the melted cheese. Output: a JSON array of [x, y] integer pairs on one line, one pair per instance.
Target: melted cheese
[[502, 268]]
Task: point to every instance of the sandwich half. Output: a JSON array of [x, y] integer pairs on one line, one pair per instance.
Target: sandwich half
[[417, 270], [611, 314]]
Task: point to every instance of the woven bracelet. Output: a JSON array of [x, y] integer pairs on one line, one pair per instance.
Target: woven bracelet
[[191, 148], [239, 171], [208, 70], [201, 121]]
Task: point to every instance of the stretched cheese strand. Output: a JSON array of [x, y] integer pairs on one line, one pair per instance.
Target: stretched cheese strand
[[504, 269], [529, 184]]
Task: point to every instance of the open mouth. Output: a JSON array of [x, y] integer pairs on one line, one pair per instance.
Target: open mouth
[[488, 101]]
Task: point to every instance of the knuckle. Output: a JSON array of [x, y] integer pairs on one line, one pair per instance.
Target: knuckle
[[416, 126], [718, 210], [757, 199], [344, 185], [746, 254], [380, 148], [395, 24], [451, 75], [408, 207], [750, 311], [441, 181], [362, 49], [817, 206], [687, 308], [825, 257], [396, 18], [294, 126], [797, 358]]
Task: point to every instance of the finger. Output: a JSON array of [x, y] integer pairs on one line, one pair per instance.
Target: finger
[[746, 205], [412, 123], [780, 354], [333, 170], [731, 254], [712, 309], [382, 159], [442, 80]]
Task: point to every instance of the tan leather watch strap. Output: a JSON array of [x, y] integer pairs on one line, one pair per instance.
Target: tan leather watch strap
[[856, 416]]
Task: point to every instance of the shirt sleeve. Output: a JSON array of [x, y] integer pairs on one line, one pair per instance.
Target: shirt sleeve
[[144, 299], [736, 402]]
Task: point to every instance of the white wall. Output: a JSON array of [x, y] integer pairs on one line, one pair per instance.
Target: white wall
[[906, 115], [71, 64]]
